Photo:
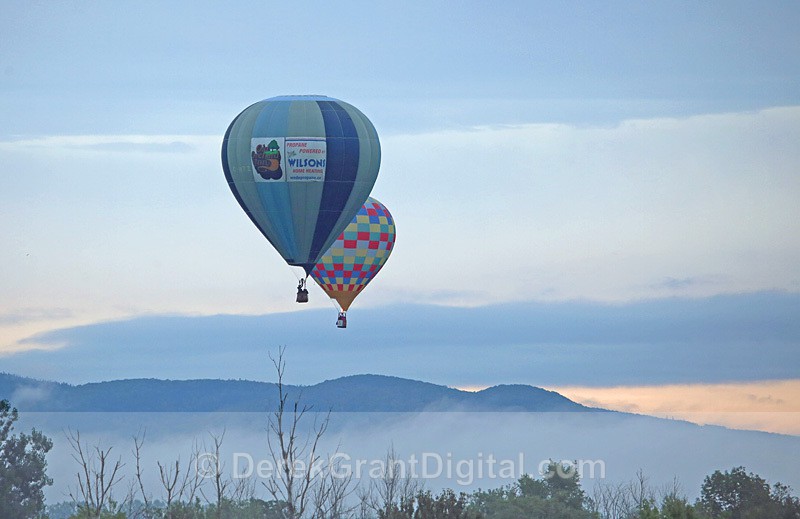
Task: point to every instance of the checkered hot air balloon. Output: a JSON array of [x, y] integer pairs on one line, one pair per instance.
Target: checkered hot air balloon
[[357, 255]]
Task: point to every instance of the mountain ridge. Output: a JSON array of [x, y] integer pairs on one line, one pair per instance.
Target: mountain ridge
[[352, 393]]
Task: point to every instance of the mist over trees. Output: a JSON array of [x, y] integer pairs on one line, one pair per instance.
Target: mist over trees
[[308, 484], [733, 494], [106, 488]]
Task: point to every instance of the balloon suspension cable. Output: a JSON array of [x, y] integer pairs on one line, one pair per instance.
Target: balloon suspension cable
[[291, 269], [335, 305]]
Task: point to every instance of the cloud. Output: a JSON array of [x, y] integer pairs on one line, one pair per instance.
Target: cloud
[[166, 147], [110, 143], [683, 283], [27, 395], [642, 209], [676, 340], [763, 405], [27, 315]]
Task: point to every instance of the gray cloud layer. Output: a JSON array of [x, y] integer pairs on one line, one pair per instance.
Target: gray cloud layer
[[723, 338]]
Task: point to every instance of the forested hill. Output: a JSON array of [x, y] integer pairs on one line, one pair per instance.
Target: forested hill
[[358, 393]]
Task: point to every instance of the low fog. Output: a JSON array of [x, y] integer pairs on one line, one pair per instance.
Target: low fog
[[459, 450]]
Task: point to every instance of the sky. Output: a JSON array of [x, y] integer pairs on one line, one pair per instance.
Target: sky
[[580, 164]]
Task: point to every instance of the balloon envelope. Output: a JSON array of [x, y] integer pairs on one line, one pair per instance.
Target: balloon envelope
[[301, 167], [357, 255]]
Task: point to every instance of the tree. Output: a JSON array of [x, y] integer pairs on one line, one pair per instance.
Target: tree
[[424, 505], [96, 478], [674, 507], [736, 494], [557, 495], [741, 495], [22, 468], [562, 483], [790, 505], [302, 480], [386, 493], [220, 485]]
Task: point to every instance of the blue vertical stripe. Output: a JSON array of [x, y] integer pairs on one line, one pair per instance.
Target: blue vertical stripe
[[340, 171]]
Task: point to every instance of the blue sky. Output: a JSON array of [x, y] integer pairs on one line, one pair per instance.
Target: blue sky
[[188, 68], [549, 154]]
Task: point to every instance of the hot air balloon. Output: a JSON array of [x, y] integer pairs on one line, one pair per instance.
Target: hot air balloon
[[356, 257], [301, 167]]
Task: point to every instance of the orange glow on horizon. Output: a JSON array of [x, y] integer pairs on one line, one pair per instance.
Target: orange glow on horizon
[[770, 406]]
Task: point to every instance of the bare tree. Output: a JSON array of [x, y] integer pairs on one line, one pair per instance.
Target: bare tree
[[625, 500], [363, 509], [244, 489], [138, 441], [179, 484], [331, 493], [169, 474], [672, 490], [640, 491], [612, 501], [96, 478], [394, 487], [191, 484], [220, 484], [294, 454]]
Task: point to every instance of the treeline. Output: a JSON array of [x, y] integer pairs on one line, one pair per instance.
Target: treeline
[[733, 494], [192, 490], [307, 485]]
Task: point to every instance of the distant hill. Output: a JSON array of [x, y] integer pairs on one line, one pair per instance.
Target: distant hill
[[357, 393]]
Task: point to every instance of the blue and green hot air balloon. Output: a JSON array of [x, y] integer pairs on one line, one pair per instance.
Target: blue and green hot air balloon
[[301, 167]]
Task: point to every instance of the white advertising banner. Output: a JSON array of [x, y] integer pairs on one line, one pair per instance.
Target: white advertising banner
[[305, 159]]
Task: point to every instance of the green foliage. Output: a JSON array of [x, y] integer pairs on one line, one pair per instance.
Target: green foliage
[[84, 513], [558, 495], [649, 510], [22, 468], [446, 505], [229, 509], [250, 509], [529, 487], [671, 508], [563, 484], [674, 507], [194, 510], [789, 504], [739, 495]]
